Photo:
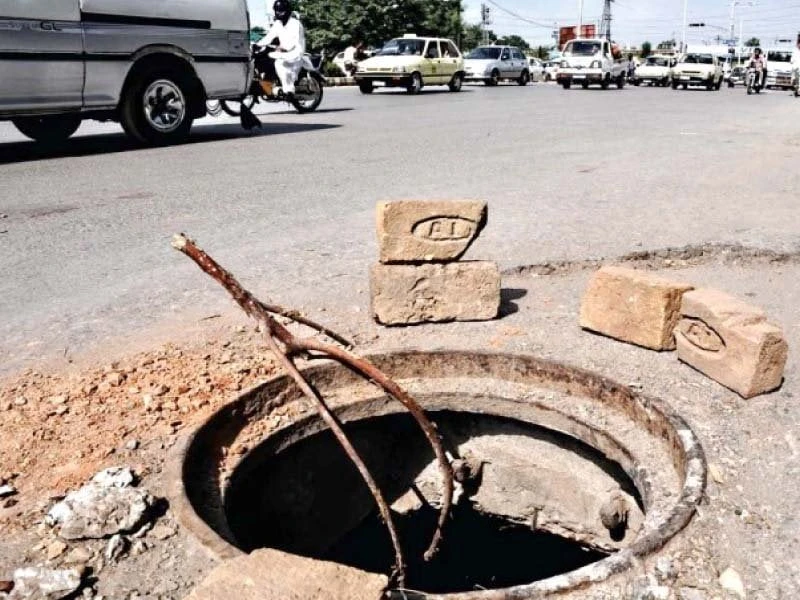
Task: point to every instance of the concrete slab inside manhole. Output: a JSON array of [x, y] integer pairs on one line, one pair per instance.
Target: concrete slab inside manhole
[[560, 450]]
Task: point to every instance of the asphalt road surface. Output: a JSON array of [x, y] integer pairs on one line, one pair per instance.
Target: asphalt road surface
[[84, 238]]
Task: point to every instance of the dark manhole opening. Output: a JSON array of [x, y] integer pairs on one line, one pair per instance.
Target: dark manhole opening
[[305, 497], [481, 551]]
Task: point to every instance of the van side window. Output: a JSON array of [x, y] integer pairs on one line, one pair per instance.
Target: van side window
[[451, 47], [506, 54], [433, 49]]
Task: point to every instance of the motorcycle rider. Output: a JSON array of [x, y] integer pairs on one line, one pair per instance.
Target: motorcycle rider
[[759, 63], [288, 57]]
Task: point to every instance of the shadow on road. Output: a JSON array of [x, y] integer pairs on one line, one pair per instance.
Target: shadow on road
[[108, 143], [508, 305]]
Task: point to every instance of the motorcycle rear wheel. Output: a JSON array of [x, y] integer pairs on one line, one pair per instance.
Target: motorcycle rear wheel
[[306, 102]]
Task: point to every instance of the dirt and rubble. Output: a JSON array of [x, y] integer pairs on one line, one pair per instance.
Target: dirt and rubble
[[62, 424]]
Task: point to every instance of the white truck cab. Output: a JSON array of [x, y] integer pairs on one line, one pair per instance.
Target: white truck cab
[[779, 68], [589, 61], [149, 64]]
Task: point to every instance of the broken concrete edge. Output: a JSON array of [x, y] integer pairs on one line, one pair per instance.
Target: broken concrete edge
[[655, 414]]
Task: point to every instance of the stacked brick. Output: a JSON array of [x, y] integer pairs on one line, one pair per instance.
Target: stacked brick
[[728, 340], [420, 277]]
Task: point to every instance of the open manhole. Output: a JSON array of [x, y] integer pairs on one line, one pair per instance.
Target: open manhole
[[577, 477]]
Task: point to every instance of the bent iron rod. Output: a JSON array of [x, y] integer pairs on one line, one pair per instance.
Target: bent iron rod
[[292, 346]]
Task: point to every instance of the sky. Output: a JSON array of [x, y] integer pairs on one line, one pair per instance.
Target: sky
[[634, 21]]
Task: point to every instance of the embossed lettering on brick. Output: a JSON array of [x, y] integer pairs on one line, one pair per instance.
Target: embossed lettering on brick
[[412, 231], [731, 341], [633, 306]]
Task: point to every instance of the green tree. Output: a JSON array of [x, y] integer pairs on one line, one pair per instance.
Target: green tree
[[514, 40], [542, 52], [647, 49], [333, 24], [753, 42], [473, 37]]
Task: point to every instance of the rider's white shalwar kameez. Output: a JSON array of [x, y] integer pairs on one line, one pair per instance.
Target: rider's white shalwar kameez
[[289, 60]]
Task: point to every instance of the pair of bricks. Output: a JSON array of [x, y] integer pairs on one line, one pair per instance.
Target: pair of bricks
[[419, 278], [728, 340]]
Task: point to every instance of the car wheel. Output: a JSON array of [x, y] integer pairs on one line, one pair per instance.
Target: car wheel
[[416, 84], [494, 78], [566, 85], [674, 85], [48, 130], [685, 86], [456, 82], [620, 82], [730, 84], [585, 85], [606, 81], [156, 108], [366, 87], [524, 79], [718, 86]]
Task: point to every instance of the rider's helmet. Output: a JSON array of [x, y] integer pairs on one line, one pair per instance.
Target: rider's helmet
[[282, 10], [757, 51]]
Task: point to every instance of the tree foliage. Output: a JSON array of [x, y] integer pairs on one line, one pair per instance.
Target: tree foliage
[[334, 24], [515, 40], [753, 42], [473, 37], [647, 49]]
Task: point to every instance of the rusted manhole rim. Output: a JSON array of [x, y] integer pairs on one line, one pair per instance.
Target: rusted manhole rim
[[197, 474]]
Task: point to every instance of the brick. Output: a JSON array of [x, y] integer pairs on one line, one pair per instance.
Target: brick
[[462, 291], [731, 342], [633, 306], [427, 231], [273, 575]]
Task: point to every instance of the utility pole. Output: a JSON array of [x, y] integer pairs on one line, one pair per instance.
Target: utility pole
[[685, 19], [485, 21], [605, 22], [580, 19]]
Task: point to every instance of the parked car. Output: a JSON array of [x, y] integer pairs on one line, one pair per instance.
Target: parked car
[[697, 68], [493, 64], [413, 62], [536, 69], [149, 65], [656, 70], [551, 70]]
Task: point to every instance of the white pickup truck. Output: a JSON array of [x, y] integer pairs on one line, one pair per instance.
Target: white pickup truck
[[588, 61]]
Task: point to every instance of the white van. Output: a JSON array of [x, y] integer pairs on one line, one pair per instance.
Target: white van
[[149, 64]]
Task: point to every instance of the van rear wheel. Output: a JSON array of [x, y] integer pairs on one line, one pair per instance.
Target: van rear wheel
[[48, 130], [156, 109]]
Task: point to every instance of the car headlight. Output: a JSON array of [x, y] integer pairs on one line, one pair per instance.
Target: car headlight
[[596, 64], [564, 64], [398, 69]]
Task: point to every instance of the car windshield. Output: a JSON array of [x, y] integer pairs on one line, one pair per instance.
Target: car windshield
[[583, 48], [485, 53], [779, 56], [402, 46], [699, 59], [657, 61]]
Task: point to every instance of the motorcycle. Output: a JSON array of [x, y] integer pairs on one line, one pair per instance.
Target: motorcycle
[[755, 80], [796, 83], [265, 88]]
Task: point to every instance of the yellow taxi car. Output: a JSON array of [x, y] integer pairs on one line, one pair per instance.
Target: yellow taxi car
[[413, 62]]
